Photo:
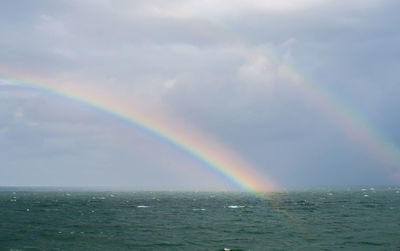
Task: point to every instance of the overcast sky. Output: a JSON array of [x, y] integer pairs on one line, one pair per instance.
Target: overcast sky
[[227, 68]]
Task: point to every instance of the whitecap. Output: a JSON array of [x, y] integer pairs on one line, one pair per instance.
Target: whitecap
[[235, 206], [142, 206]]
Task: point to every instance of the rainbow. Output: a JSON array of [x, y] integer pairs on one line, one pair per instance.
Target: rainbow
[[206, 150], [342, 115], [193, 143], [352, 123]]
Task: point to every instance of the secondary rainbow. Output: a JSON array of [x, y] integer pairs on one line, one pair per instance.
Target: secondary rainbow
[[328, 104], [352, 123], [193, 143]]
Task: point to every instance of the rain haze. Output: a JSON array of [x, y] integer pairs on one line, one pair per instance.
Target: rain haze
[[305, 91]]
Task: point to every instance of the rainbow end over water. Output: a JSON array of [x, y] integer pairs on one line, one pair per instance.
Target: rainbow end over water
[[199, 146]]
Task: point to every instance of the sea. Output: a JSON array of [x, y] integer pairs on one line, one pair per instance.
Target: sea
[[317, 219]]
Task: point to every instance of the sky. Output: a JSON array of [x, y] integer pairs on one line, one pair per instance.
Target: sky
[[304, 90]]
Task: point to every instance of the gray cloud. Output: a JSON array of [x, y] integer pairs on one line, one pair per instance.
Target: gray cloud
[[220, 68]]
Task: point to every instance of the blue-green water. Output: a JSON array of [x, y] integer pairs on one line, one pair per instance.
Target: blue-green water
[[298, 220]]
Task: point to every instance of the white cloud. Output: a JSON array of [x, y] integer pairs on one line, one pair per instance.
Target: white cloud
[[258, 69], [7, 82], [18, 114], [49, 25], [170, 83], [213, 9]]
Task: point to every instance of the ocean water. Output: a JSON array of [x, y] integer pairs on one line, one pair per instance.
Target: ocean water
[[355, 219]]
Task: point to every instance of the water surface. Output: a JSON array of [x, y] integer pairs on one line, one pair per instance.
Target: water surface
[[357, 219]]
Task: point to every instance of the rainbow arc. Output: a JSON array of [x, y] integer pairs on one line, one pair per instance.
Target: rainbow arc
[[193, 143]]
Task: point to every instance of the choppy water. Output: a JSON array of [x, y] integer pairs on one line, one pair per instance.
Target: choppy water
[[298, 220]]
